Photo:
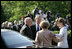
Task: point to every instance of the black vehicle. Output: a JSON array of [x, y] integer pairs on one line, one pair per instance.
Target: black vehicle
[[13, 39]]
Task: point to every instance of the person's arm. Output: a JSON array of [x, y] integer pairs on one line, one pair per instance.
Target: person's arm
[[37, 40], [60, 36], [62, 32], [54, 38], [22, 29]]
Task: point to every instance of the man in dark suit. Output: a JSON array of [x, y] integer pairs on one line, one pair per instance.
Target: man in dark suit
[[26, 30], [36, 26]]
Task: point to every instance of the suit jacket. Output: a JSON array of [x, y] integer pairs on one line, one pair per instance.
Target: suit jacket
[[25, 30], [33, 28]]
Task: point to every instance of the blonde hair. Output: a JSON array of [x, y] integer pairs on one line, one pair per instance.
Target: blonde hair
[[44, 24]]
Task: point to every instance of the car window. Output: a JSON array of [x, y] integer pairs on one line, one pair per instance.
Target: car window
[[14, 39]]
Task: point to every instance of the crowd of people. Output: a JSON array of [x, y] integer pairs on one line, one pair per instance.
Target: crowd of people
[[40, 31]]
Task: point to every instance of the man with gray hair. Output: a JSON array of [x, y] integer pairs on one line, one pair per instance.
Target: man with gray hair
[[36, 26], [26, 30]]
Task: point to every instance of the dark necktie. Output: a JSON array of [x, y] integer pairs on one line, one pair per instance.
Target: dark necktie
[[38, 28]]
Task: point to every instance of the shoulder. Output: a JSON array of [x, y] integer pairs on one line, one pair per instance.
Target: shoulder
[[52, 33], [40, 32], [24, 26], [63, 29]]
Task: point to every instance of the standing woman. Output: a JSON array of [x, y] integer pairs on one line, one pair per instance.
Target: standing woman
[[44, 37], [63, 43]]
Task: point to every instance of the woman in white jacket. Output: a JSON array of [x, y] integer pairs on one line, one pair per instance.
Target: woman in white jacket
[[63, 43]]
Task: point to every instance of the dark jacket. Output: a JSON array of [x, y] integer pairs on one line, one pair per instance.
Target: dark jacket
[[25, 30], [33, 27]]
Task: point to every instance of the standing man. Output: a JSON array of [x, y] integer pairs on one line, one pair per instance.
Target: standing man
[[36, 26], [26, 30]]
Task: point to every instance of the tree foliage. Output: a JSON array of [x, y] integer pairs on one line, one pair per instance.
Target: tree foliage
[[15, 9]]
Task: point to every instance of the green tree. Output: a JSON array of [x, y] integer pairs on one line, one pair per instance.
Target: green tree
[[16, 9]]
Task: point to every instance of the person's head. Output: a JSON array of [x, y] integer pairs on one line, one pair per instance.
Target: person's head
[[44, 24], [28, 21], [9, 25], [60, 22], [38, 19]]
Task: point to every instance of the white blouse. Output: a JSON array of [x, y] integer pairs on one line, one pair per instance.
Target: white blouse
[[63, 33]]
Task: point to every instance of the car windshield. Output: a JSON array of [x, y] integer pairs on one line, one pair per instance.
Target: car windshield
[[14, 39]]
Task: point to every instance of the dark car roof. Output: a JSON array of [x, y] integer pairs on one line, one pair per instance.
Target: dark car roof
[[14, 39]]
